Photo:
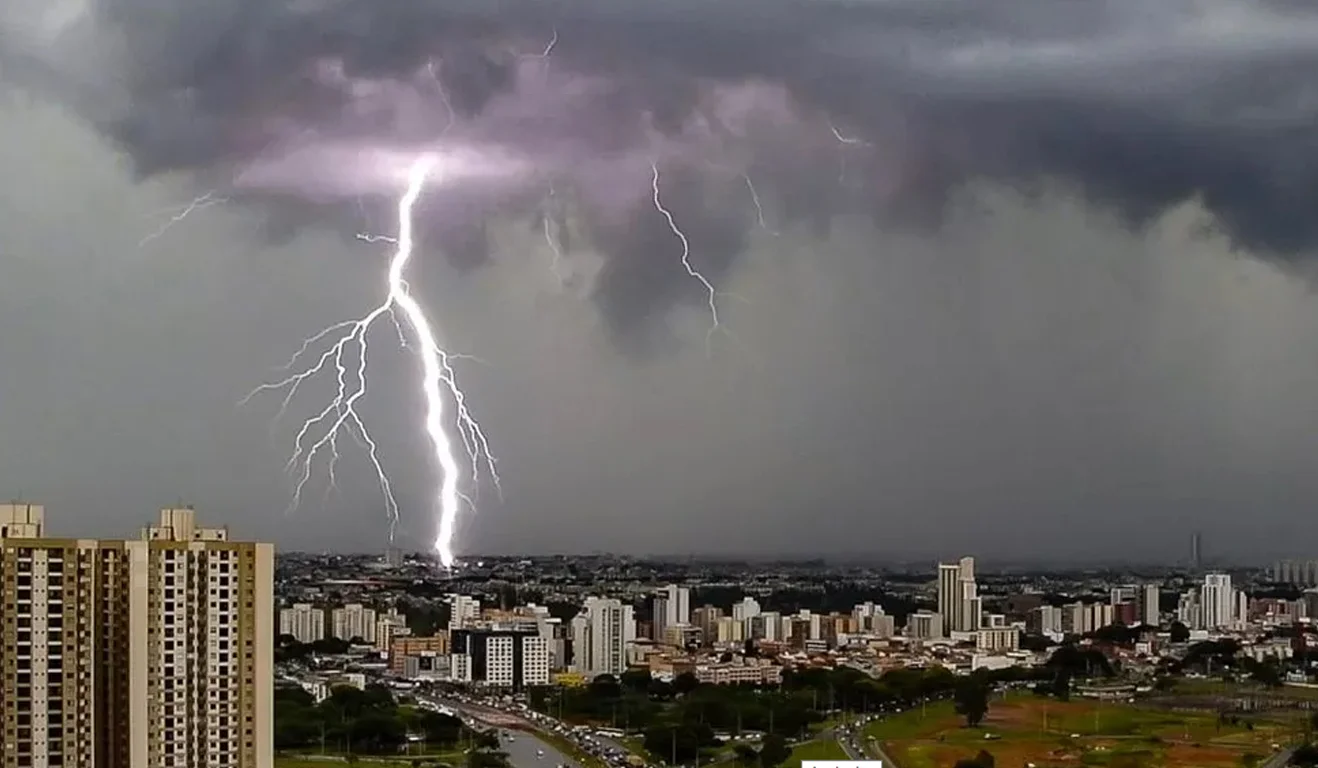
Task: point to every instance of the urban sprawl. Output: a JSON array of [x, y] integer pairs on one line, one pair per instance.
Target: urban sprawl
[[182, 647]]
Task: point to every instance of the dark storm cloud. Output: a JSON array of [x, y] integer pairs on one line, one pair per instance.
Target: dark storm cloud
[[1140, 105]]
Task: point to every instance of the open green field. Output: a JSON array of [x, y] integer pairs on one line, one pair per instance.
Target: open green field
[[364, 762], [1026, 729], [370, 761]]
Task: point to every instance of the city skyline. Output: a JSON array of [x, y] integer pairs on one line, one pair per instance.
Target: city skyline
[[1011, 307]]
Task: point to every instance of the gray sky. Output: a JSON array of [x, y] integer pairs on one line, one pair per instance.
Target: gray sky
[[1081, 353]]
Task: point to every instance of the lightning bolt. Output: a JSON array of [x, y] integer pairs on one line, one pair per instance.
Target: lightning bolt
[[755, 199], [347, 356], [181, 212], [556, 259], [686, 260], [849, 141]]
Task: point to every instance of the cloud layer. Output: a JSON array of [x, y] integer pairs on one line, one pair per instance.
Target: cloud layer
[[786, 112]]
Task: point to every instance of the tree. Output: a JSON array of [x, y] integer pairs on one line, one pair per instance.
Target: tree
[[1179, 632], [774, 752], [1062, 685], [972, 700], [745, 754], [982, 760], [1306, 756], [685, 683], [635, 680]]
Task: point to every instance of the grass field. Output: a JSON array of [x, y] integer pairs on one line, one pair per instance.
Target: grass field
[[307, 762], [1045, 732]]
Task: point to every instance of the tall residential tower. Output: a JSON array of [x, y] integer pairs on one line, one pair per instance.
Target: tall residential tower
[[141, 653]]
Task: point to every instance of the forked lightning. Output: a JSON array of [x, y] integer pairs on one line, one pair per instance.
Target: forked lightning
[[347, 356]]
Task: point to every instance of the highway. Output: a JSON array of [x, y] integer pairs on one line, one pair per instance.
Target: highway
[[1279, 760], [522, 751]]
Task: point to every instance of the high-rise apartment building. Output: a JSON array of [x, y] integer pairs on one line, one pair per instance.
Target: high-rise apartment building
[[678, 606], [659, 618], [144, 653], [600, 636], [1299, 572], [353, 621], [303, 622], [746, 610], [1218, 601], [463, 609], [1150, 605]]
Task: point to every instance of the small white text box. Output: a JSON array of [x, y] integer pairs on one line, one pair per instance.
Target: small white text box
[[841, 764]]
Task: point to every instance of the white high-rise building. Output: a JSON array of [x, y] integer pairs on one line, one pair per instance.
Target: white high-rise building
[[305, 622], [1150, 613], [353, 620], [870, 619], [601, 634], [746, 610], [1218, 601], [678, 605], [463, 609], [536, 661]]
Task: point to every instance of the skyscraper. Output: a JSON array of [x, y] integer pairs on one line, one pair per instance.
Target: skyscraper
[[1196, 550], [958, 598], [163, 647]]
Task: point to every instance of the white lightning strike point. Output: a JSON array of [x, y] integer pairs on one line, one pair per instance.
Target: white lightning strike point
[[438, 380], [686, 260]]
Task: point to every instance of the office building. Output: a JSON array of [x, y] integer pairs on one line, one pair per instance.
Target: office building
[[305, 623], [601, 634], [958, 598], [163, 647], [1196, 550]]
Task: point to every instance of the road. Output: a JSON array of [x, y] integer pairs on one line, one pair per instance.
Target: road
[[522, 747], [867, 749], [1279, 760]]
